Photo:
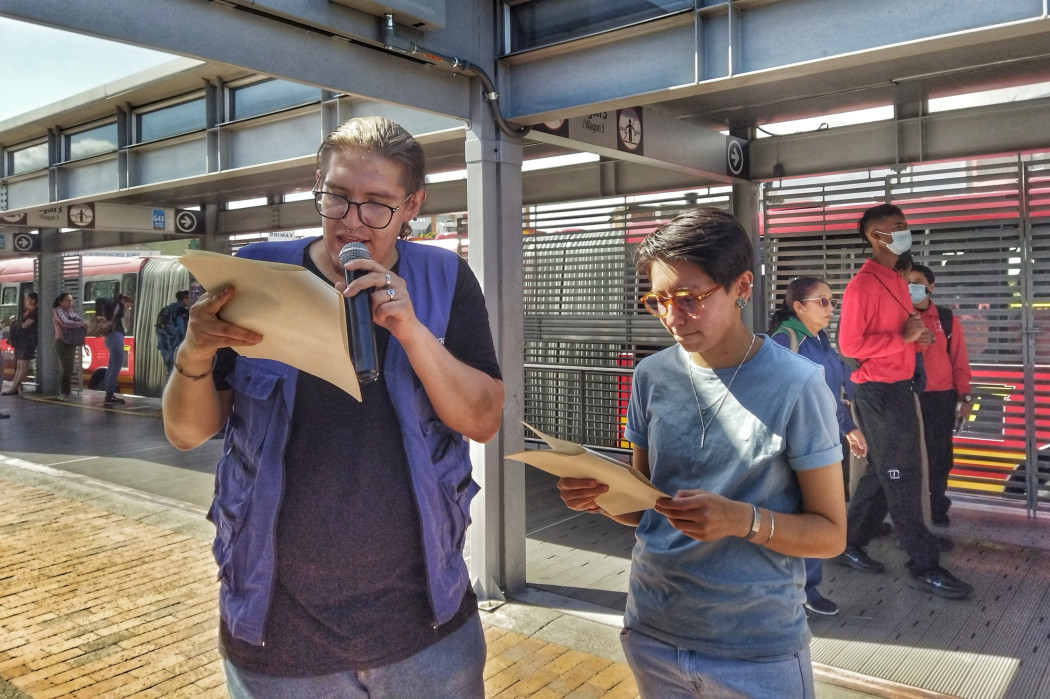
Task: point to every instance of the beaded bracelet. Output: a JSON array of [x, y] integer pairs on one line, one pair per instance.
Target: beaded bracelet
[[198, 377], [772, 527]]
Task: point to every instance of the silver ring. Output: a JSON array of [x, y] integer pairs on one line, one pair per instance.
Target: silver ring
[[387, 281], [390, 293]]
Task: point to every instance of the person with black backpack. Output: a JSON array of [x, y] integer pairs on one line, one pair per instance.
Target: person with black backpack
[[170, 328], [946, 398]]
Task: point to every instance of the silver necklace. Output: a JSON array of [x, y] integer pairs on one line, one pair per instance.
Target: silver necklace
[[721, 399]]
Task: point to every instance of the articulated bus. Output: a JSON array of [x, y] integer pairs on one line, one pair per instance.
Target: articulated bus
[[151, 280]]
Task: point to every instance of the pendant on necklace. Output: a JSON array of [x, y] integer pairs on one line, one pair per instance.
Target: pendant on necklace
[[717, 405]]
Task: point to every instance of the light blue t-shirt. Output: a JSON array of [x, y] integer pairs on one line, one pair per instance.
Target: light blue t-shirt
[[729, 597]]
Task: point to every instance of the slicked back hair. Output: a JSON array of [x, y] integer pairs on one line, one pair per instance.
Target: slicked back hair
[[377, 136], [711, 239]]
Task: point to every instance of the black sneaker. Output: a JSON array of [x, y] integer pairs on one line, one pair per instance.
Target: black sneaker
[[940, 521], [821, 605], [941, 583], [113, 400], [857, 558]]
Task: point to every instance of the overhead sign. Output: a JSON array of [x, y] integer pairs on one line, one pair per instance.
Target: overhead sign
[[189, 222], [652, 138], [26, 242], [736, 157], [81, 216], [629, 129], [100, 216]]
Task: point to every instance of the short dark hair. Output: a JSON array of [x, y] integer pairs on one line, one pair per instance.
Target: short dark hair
[[180, 295], [711, 239], [877, 213], [924, 271]]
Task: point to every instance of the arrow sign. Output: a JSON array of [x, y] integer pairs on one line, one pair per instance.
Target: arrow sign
[[735, 158]]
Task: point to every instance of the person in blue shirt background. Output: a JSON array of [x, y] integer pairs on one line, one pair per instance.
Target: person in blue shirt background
[[799, 324], [173, 332]]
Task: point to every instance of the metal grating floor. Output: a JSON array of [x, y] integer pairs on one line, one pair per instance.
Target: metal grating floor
[[995, 645]]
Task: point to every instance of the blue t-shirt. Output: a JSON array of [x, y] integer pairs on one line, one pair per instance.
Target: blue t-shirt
[[729, 597]]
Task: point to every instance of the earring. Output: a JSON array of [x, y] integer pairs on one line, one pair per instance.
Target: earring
[[740, 303]]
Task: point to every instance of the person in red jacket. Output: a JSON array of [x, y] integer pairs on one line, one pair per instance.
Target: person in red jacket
[[880, 329], [946, 399]]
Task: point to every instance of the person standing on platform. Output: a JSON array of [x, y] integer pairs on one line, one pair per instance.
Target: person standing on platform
[[946, 398], [171, 329], [881, 330], [69, 334], [743, 433], [25, 334], [799, 324], [114, 342], [340, 524]]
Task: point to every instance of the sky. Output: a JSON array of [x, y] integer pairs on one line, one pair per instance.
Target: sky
[[51, 64]]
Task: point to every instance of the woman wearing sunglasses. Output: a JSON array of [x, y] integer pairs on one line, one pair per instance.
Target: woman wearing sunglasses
[[799, 324], [743, 433]]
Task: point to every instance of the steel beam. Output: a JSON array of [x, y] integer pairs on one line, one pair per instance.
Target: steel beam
[[746, 43], [213, 31], [941, 136]]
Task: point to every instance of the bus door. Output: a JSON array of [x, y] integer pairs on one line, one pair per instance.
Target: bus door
[[12, 305]]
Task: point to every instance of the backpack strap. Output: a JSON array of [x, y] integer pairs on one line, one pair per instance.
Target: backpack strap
[[947, 324], [794, 339]]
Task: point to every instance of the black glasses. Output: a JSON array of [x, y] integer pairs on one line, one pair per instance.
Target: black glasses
[[824, 302], [372, 213], [684, 301]]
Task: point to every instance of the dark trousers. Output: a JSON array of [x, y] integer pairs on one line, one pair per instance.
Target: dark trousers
[[893, 480], [66, 356], [938, 421]]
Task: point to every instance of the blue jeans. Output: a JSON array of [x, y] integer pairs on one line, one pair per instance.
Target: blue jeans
[[663, 671], [115, 346], [453, 668], [169, 361]]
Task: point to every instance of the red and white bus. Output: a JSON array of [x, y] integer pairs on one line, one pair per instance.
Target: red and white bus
[[101, 276]]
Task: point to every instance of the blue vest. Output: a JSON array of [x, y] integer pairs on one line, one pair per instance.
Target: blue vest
[[250, 473]]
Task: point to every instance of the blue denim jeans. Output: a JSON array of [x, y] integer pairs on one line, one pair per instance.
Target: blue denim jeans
[[169, 361], [451, 668], [115, 346], [663, 671]]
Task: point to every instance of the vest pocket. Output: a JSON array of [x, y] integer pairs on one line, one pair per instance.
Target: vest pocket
[[249, 442]]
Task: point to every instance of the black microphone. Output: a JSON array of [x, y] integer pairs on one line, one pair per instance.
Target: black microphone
[[362, 335]]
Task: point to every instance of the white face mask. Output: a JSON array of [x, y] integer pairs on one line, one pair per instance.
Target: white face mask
[[901, 242], [918, 292]]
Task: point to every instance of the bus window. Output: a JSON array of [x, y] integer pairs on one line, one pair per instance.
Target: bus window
[[8, 302], [98, 290], [129, 285]]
